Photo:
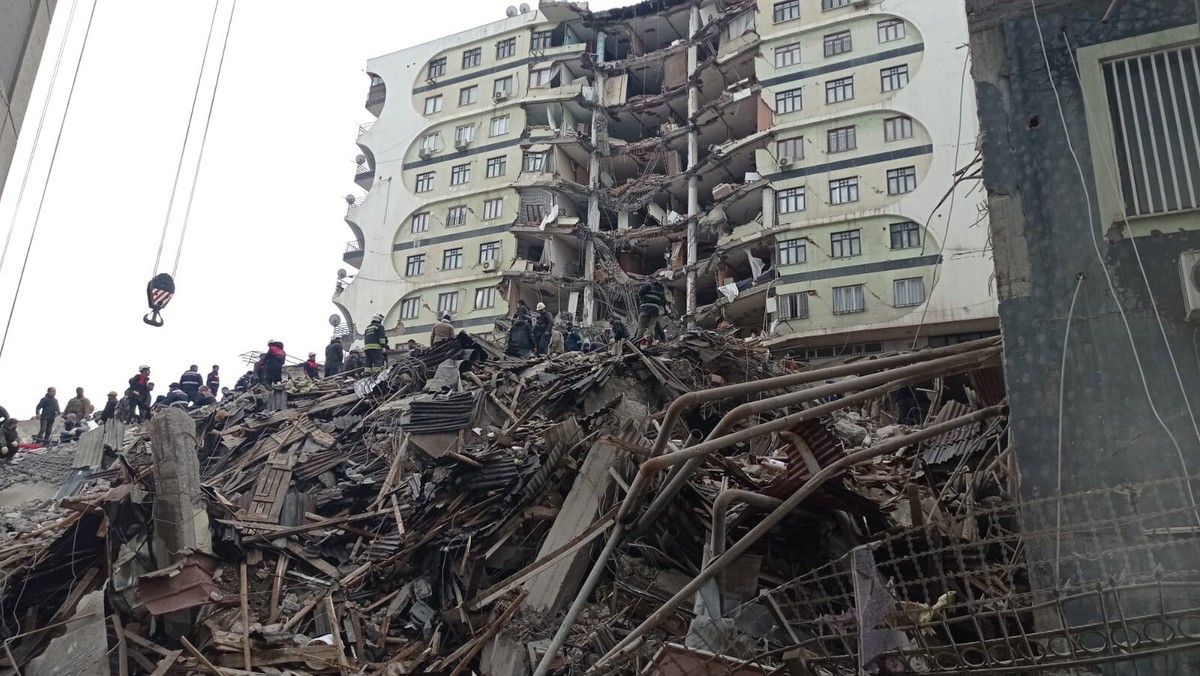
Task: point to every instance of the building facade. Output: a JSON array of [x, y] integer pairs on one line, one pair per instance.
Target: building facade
[[23, 30], [804, 170]]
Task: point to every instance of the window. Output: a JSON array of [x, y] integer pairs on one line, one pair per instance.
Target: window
[[456, 215], [502, 87], [533, 162], [420, 223], [437, 67], [425, 182], [485, 297], [837, 43], [905, 235], [792, 148], [793, 251], [891, 79], [787, 55], [460, 174], [902, 180], [431, 142], [506, 48], [541, 40], [447, 303], [793, 305], [410, 308], [472, 57], [414, 265], [540, 77], [499, 125], [464, 134], [841, 139], [910, 291], [789, 200], [433, 104], [890, 30], [1152, 102], [847, 299], [493, 208], [496, 166], [845, 244], [452, 259], [897, 128], [843, 190], [788, 101], [468, 95], [489, 251], [833, 4], [533, 212], [787, 10], [841, 89]]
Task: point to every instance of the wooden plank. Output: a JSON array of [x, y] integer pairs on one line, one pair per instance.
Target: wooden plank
[[281, 566], [165, 664], [320, 564], [245, 618], [335, 627], [122, 646], [266, 658], [489, 633], [199, 658]]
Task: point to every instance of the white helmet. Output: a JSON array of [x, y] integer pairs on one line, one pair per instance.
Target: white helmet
[[143, 367], [541, 306], [377, 318]]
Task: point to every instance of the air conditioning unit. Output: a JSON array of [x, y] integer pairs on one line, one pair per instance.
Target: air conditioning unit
[[500, 96], [785, 162], [461, 143], [489, 266], [861, 4], [425, 152], [1189, 276]]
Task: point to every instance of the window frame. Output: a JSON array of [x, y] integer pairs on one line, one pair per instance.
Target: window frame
[[827, 5], [837, 43], [782, 147], [908, 237], [893, 78], [450, 307], [436, 68], [785, 10], [456, 215], [489, 297], [847, 188], [793, 98], [792, 196], [509, 83], [506, 48], [528, 165], [498, 203], [460, 174], [890, 30], [496, 166], [468, 96], [899, 123], [795, 251], [414, 261], [413, 304], [841, 84], [424, 181], [492, 133], [794, 311], [790, 55], [541, 77], [541, 40], [896, 283], [418, 223], [906, 174], [452, 258], [431, 142], [841, 139], [464, 132], [857, 293], [845, 243], [433, 104], [493, 249], [472, 58]]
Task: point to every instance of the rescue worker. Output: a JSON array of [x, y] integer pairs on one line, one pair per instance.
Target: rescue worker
[[333, 357], [190, 382], [110, 408], [47, 411], [375, 341], [572, 341], [11, 440], [652, 299], [4, 416], [79, 405], [442, 331], [556, 345], [213, 381], [522, 308], [311, 368], [542, 324], [245, 382], [520, 337], [354, 362], [138, 396], [273, 363], [204, 397], [175, 395], [619, 330], [73, 428]]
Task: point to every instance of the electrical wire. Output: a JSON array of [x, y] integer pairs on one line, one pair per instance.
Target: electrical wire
[[1062, 390], [37, 219]]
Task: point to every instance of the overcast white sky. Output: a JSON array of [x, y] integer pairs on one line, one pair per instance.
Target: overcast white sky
[[266, 233]]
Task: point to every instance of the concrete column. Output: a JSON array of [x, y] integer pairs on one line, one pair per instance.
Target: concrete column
[[693, 159], [593, 215]]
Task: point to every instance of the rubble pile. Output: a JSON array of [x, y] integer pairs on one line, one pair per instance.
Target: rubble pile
[[442, 515]]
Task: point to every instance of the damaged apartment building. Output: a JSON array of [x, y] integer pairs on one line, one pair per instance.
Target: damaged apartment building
[[805, 171]]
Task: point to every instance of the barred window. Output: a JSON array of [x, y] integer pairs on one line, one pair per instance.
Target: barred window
[[909, 292], [447, 303], [464, 133], [792, 148], [533, 162], [410, 308], [460, 174], [845, 244], [890, 30], [897, 128], [472, 57], [456, 215], [833, 4], [420, 222], [489, 251], [425, 182], [793, 251], [433, 104], [901, 181], [496, 166], [506, 48], [787, 55], [503, 86], [838, 43], [841, 89], [485, 297], [437, 68], [468, 95], [905, 235], [493, 208], [841, 139], [847, 299], [891, 79], [788, 101], [452, 258], [541, 40], [499, 125], [787, 10], [789, 200], [414, 265], [843, 190], [793, 305]]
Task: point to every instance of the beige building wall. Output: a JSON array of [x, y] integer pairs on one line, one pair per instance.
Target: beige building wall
[[24, 25]]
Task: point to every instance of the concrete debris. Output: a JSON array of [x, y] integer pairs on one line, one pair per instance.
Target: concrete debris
[[443, 515]]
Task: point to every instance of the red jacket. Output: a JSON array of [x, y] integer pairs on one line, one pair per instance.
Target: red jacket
[[311, 368]]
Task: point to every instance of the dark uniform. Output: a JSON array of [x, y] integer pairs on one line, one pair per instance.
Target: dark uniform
[[375, 341], [333, 357]]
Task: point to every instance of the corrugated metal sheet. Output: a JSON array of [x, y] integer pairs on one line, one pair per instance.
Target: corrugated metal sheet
[[441, 413], [825, 447], [988, 383], [967, 439]]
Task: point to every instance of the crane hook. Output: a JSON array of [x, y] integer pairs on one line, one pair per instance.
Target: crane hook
[[159, 292]]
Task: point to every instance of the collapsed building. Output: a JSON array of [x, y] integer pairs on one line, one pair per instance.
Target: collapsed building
[[804, 170]]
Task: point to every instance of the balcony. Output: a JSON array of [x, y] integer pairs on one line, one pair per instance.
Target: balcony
[[364, 128], [353, 203], [376, 96], [364, 173], [354, 253]]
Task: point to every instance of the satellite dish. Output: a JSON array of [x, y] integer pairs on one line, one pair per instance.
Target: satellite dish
[[524, 7], [361, 159], [511, 11], [335, 320], [342, 273], [349, 199]]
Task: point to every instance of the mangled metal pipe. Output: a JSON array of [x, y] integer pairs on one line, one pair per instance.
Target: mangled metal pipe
[[721, 506], [719, 563]]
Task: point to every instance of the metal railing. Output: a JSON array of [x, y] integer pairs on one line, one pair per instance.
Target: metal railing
[[354, 247], [353, 204], [363, 170], [364, 128]]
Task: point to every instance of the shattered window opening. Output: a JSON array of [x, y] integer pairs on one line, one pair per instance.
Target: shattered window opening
[[893, 78], [496, 166], [793, 305], [909, 291], [533, 161], [788, 101], [787, 55], [841, 89], [905, 235], [468, 95], [424, 182], [410, 308], [456, 215], [506, 48], [437, 68], [499, 125], [833, 4], [485, 297], [452, 258], [460, 174], [890, 30], [843, 190], [845, 244], [792, 148], [787, 10], [489, 251], [420, 222], [493, 208], [541, 40], [414, 265], [900, 181], [841, 139], [471, 58], [848, 299], [792, 251], [838, 43], [433, 104], [897, 128], [503, 86], [464, 133], [789, 200], [447, 302]]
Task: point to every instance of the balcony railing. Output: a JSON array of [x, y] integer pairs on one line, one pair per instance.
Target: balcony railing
[[352, 203], [364, 128], [376, 95], [363, 174], [353, 246]]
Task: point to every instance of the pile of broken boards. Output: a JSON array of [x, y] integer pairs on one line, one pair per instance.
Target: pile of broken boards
[[440, 516]]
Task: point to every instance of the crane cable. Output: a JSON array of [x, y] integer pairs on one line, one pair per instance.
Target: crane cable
[[53, 156]]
